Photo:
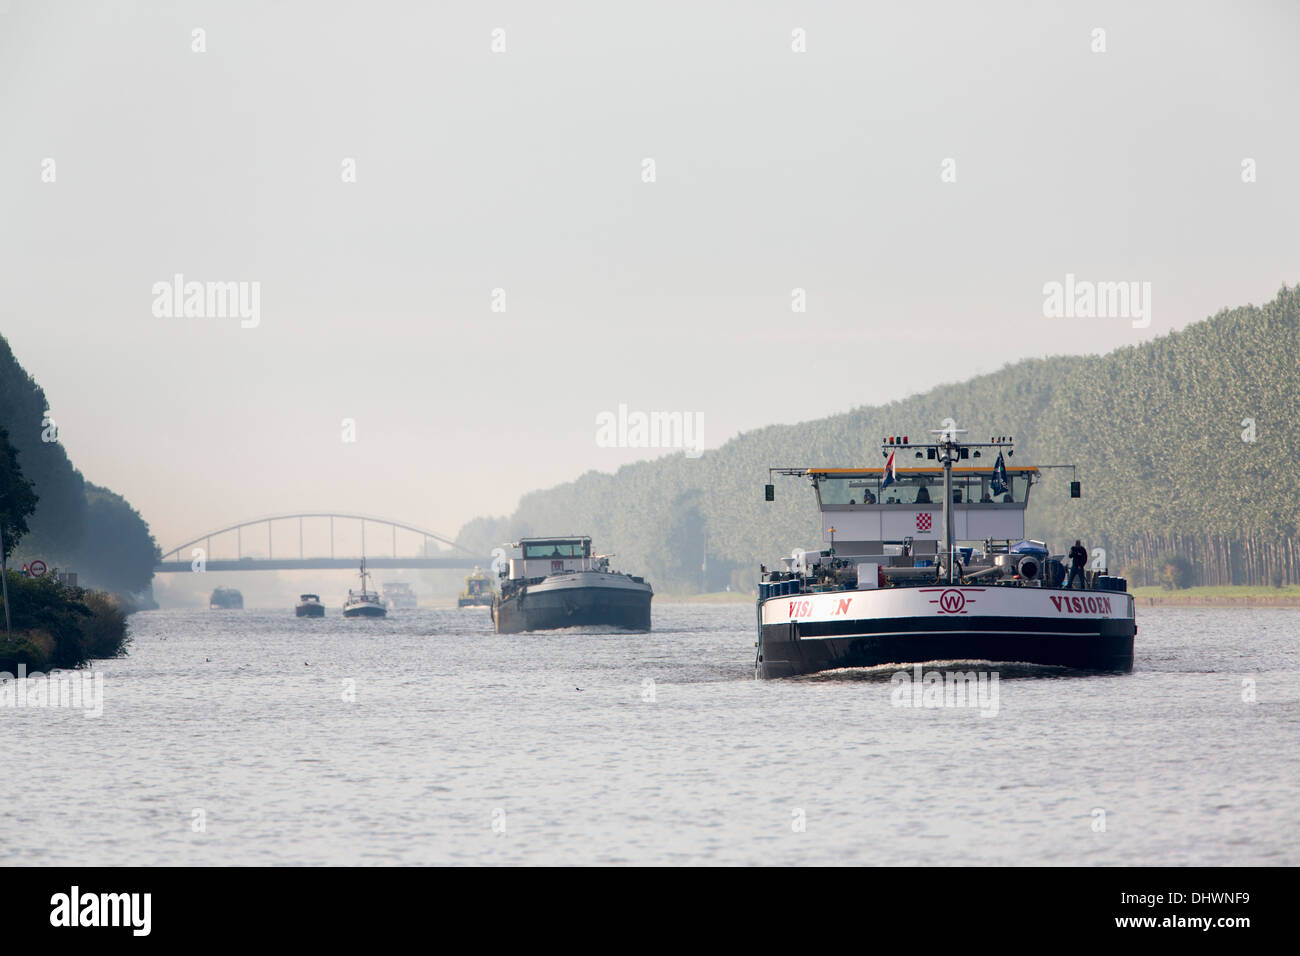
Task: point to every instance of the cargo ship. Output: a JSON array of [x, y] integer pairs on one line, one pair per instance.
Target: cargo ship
[[557, 582], [309, 605], [892, 586], [478, 590], [226, 599], [398, 594]]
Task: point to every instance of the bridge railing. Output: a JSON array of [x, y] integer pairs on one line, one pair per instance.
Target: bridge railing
[[182, 553]]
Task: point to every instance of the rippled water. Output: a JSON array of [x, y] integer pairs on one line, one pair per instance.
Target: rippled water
[[578, 747]]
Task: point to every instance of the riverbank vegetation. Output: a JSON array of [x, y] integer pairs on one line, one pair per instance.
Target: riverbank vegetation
[[52, 624], [709, 597], [77, 525], [59, 626], [1240, 595]]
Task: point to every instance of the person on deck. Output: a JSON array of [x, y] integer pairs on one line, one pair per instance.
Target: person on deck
[[1078, 558]]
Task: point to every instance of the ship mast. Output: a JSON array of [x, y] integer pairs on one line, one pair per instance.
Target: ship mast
[[948, 449]]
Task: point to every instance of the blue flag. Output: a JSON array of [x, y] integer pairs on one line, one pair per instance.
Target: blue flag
[[891, 474], [1000, 486]]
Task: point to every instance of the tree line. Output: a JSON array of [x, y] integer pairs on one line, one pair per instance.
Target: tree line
[[75, 525], [1185, 445]]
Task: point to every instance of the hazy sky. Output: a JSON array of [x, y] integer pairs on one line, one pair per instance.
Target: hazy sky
[[524, 171]]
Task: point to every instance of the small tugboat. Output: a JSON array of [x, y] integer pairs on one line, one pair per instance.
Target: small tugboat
[[226, 599], [309, 605], [893, 587], [558, 582], [478, 590], [363, 603], [398, 594]]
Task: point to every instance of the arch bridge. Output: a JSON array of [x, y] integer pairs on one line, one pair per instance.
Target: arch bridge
[[187, 557]]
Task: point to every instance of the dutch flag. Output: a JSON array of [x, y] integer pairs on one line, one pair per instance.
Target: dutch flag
[[891, 475]]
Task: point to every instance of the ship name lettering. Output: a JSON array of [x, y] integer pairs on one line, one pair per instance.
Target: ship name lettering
[[1084, 605]]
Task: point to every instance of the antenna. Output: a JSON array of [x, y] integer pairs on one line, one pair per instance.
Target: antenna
[[947, 450]]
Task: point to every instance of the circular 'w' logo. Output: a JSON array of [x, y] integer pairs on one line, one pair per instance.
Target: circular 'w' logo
[[952, 602]]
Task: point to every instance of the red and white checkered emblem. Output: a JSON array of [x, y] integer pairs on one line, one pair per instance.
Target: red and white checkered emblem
[[923, 521]]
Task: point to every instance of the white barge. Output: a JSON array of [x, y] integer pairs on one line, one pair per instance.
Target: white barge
[[893, 586]]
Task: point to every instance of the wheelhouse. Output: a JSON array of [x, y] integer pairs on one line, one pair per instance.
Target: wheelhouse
[[863, 509], [538, 557], [555, 548]]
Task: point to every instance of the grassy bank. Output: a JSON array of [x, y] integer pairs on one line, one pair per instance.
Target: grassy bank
[[714, 597], [58, 626], [1222, 596]]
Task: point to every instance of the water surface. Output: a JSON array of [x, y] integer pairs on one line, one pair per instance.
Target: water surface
[[425, 738]]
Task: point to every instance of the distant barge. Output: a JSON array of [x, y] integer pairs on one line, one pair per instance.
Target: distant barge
[[398, 594], [226, 599], [557, 582], [309, 605]]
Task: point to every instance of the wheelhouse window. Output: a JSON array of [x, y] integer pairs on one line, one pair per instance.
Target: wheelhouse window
[[868, 490], [912, 488], [555, 549], [980, 490], [849, 491]]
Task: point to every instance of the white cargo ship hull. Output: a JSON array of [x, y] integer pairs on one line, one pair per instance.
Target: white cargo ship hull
[[805, 632]]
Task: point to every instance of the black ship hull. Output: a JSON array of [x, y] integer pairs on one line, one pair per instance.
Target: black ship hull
[[364, 610], [790, 649], [530, 609], [226, 599], [310, 610]]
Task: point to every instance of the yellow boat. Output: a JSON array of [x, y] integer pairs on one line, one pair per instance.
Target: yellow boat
[[478, 590]]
